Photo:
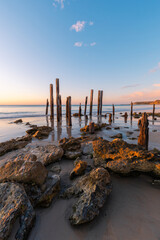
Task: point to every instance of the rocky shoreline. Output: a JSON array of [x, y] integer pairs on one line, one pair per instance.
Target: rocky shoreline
[[32, 178]]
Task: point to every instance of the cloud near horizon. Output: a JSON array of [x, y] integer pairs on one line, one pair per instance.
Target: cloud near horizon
[[153, 70], [131, 86], [144, 95], [156, 85]]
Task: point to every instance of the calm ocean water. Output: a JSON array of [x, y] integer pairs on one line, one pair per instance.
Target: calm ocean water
[[22, 111]]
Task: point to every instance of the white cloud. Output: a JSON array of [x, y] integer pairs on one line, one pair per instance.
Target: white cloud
[[59, 2], [78, 44], [156, 85], [93, 44], [155, 69], [79, 26], [91, 23]]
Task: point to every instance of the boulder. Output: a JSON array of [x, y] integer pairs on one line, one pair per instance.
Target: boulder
[[124, 158], [92, 190], [26, 157], [23, 172], [15, 204], [42, 196], [39, 132], [18, 121], [71, 147], [14, 144], [79, 169], [48, 154]]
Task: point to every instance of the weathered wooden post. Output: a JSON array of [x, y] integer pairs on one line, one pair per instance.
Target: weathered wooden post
[[80, 111], [60, 106], [67, 107], [101, 102], [113, 108], [85, 109], [110, 118], [98, 106], [91, 102], [131, 109], [69, 112], [91, 127], [153, 110], [125, 117], [51, 101], [47, 103], [57, 99], [144, 132]]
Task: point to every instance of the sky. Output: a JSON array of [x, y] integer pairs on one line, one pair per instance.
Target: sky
[[109, 45]]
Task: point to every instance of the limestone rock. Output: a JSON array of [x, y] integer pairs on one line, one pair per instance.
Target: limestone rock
[[39, 132], [93, 190], [14, 144], [44, 195], [124, 158], [23, 172], [14, 204], [48, 154], [79, 169], [18, 121]]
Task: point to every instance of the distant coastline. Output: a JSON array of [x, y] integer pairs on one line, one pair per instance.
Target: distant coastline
[[147, 102]]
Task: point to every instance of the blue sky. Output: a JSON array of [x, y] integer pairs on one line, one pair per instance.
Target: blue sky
[[112, 45]]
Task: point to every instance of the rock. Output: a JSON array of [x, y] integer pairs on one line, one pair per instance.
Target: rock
[[44, 195], [77, 115], [137, 130], [18, 121], [72, 155], [87, 148], [92, 190], [15, 204], [124, 158], [14, 144], [116, 128], [39, 132], [132, 138], [119, 135], [108, 128], [23, 172], [71, 147], [27, 124], [154, 130], [97, 127], [48, 154], [55, 169], [79, 169], [26, 157]]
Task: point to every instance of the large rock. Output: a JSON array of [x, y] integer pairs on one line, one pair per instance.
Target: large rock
[[14, 144], [72, 147], [48, 154], [23, 172], [39, 132], [124, 158], [44, 195], [15, 204], [93, 190]]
